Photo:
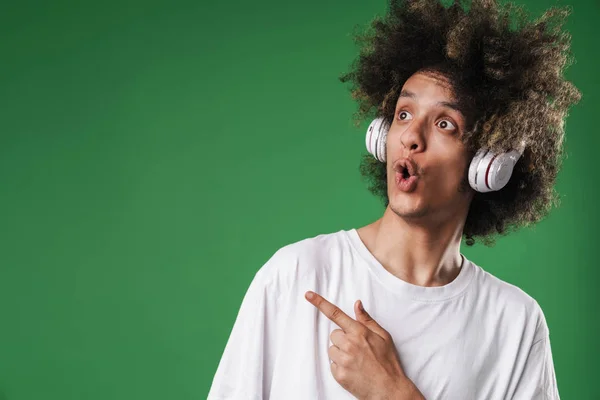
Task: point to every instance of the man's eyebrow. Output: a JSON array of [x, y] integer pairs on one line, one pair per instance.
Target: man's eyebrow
[[411, 95], [453, 106], [407, 93]]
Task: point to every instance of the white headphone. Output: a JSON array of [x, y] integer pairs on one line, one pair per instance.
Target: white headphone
[[488, 172]]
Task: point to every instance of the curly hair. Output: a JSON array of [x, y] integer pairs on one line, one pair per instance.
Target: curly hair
[[505, 70]]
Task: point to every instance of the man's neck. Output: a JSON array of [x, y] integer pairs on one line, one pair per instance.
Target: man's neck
[[415, 253]]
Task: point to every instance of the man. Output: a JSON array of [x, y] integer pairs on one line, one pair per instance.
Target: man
[[435, 325]]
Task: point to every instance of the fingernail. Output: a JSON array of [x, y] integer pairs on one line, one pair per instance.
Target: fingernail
[[360, 306], [310, 295]]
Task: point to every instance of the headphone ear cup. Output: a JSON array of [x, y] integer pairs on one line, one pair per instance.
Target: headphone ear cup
[[369, 138], [483, 182], [376, 139], [381, 143], [474, 171], [490, 172], [501, 169]]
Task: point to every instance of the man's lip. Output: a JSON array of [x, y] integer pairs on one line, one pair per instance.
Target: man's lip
[[408, 164], [406, 184]]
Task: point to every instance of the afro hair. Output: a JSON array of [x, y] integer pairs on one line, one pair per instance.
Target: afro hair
[[507, 73]]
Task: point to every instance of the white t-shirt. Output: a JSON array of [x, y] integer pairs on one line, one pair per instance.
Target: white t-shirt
[[475, 338]]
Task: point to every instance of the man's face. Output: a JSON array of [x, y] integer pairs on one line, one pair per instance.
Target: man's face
[[427, 129]]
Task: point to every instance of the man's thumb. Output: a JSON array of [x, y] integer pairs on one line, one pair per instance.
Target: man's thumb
[[362, 313], [363, 316]]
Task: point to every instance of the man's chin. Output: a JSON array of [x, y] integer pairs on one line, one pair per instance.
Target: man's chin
[[408, 211]]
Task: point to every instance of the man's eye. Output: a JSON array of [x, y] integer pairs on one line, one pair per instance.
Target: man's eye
[[444, 124], [403, 115]]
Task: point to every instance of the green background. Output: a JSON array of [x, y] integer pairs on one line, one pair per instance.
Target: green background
[[153, 155]]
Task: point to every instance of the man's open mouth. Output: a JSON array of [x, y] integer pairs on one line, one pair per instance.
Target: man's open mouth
[[406, 168], [405, 173]]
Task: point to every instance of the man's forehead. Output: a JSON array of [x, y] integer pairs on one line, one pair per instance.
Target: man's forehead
[[429, 78], [414, 89]]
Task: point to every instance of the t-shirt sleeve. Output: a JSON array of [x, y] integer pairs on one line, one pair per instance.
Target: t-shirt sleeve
[[538, 379], [246, 366]]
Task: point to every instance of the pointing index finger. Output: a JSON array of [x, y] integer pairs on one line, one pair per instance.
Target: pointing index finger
[[333, 312]]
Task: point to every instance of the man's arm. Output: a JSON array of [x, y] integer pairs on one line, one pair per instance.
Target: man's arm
[[405, 390], [537, 380], [246, 367]]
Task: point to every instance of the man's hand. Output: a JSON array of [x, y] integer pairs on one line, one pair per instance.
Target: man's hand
[[363, 355]]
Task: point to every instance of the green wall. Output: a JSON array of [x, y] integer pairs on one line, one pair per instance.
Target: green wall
[[154, 155]]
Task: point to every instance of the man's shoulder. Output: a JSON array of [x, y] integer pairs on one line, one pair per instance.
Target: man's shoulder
[[502, 291], [297, 259], [508, 299], [314, 246]]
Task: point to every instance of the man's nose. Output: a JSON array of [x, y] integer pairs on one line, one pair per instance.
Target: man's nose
[[413, 137]]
